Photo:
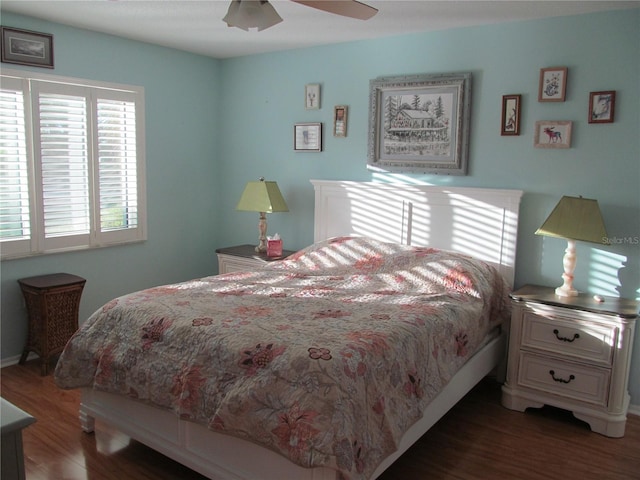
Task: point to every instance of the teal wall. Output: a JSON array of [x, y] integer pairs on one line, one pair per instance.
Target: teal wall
[[181, 105], [214, 124]]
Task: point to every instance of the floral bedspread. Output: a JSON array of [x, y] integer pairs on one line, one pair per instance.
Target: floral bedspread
[[326, 357]]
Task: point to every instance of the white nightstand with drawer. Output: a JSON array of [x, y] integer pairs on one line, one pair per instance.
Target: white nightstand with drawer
[[244, 258], [573, 353]]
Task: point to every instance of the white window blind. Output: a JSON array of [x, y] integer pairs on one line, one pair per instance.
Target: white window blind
[[117, 163], [15, 226], [86, 184]]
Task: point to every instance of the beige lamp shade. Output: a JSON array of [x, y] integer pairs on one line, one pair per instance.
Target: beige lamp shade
[[575, 218], [262, 196]]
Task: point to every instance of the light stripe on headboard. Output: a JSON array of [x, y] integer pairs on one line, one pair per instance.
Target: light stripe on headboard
[[481, 222]]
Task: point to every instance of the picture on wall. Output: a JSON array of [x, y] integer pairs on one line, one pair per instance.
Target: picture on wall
[[340, 121], [510, 115], [312, 96], [420, 123], [553, 84], [602, 106], [24, 47], [553, 134], [307, 137]]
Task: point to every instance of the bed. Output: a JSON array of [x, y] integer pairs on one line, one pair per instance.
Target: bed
[[327, 365]]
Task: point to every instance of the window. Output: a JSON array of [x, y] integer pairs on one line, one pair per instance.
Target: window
[[71, 165]]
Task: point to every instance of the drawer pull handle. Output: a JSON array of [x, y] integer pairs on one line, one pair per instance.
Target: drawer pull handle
[[565, 339], [561, 380]]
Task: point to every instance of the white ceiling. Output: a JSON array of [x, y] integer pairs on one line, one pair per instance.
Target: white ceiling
[[196, 26]]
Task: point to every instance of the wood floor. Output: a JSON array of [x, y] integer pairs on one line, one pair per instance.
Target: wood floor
[[477, 440]]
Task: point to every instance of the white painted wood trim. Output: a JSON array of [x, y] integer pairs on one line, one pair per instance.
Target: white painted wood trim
[[481, 222]]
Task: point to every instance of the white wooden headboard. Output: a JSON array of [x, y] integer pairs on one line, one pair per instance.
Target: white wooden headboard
[[481, 222]]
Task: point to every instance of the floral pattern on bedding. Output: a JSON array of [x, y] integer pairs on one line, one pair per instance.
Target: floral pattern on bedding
[[327, 357]]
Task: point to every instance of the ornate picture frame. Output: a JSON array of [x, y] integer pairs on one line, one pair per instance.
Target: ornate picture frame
[[553, 84], [602, 106], [510, 115], [420, 123], [24, 47], [307, 137], [553, 134]]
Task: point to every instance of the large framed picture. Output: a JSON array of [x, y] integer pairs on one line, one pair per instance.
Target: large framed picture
[[553, 134], [307, 137], [24, 47], [602, 106], [420, 123]]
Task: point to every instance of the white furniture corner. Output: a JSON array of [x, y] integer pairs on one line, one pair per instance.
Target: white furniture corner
[[14, 420]]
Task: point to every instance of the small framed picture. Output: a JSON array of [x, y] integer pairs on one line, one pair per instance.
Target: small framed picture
[[553, 134], [510, 115], [307, 137], [602, 106], [340, 121], [312, 96], [553, 84], [24, 47]]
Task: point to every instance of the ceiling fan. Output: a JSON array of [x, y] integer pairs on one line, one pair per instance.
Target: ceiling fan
[[260, 14]]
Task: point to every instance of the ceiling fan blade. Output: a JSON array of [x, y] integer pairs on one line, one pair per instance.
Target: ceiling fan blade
[[346, 8]]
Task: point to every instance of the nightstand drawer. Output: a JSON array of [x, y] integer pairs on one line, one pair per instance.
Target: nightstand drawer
[[587, 341], [579, 382]]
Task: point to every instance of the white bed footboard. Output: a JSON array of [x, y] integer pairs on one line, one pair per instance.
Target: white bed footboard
[[222, 457], [214, 455]]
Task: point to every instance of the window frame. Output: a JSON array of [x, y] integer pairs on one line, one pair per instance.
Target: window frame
[[33, 82]]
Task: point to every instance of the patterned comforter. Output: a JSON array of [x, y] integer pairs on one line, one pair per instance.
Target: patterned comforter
[[327, 357]]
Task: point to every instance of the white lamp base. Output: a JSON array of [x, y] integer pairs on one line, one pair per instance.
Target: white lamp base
[[262, 228], [565, 292], [569, 263]]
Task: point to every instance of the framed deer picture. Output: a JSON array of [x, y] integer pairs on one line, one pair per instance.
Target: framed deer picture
[[553, 134]]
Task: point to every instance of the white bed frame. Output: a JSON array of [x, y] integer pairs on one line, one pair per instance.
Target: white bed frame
[[481, 222]]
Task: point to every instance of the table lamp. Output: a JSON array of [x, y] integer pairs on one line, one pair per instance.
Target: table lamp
[[574, 218], [263, 197]]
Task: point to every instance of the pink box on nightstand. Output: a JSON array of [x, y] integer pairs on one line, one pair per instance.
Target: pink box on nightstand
[[274, 247]]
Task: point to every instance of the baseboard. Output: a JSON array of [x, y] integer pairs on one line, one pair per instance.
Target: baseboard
[[7, 362], [634, 410]]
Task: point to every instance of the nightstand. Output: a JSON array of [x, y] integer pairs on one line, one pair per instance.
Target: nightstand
[[244, 258], [572, 353], [52, 303], [13, 420]]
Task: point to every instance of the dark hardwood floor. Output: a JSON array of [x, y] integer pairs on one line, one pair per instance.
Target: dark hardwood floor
[[477, 439]]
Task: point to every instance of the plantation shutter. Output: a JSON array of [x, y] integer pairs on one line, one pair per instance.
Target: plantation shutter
[[15, 216], [117, 166], [61, 131], [71, 165]]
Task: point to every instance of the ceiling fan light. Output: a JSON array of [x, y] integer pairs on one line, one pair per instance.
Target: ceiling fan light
[[246, 14]]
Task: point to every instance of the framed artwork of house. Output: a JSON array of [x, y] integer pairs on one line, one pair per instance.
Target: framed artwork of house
[[420, 123]]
